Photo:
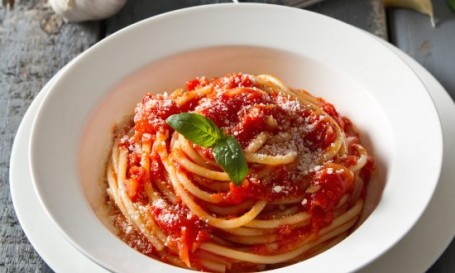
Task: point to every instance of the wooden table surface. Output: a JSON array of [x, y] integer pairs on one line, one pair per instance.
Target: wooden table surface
[[35, 44]]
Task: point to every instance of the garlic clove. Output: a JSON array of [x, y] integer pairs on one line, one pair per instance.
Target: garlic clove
[[423, 6], [86, 10]]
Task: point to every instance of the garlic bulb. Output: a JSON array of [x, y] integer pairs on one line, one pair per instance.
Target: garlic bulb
[[423, 6], [86, 10]]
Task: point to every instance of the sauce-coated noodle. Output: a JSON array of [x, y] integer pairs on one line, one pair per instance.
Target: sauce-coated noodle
[[304, 191]]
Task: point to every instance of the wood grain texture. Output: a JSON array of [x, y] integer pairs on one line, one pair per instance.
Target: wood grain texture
[[367, 15], [432, 47], [34, 45]]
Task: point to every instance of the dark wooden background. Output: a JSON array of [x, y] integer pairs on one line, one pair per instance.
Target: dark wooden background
[[35, 44]]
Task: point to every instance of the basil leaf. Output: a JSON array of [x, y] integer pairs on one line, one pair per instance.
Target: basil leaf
[[196, 128], [202, 131], [229, 155]]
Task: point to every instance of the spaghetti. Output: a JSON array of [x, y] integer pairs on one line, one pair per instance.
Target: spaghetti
[[303, 192]]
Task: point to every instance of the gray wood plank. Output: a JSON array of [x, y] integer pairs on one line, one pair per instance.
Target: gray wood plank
[[34, 45], [434, 48], [368, 15]]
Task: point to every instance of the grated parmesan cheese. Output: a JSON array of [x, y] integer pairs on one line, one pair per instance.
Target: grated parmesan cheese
[[277, 189]]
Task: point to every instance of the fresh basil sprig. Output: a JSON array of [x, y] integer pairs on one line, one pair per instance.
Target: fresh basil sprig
[[202, 131]]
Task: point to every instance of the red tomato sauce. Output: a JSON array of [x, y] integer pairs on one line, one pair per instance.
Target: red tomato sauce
[[243, 112]]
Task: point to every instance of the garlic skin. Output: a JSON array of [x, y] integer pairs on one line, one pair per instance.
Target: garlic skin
[[86, 10], [423, 6]]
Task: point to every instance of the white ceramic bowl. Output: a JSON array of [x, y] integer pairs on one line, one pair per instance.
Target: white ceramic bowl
[[365, 81]]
